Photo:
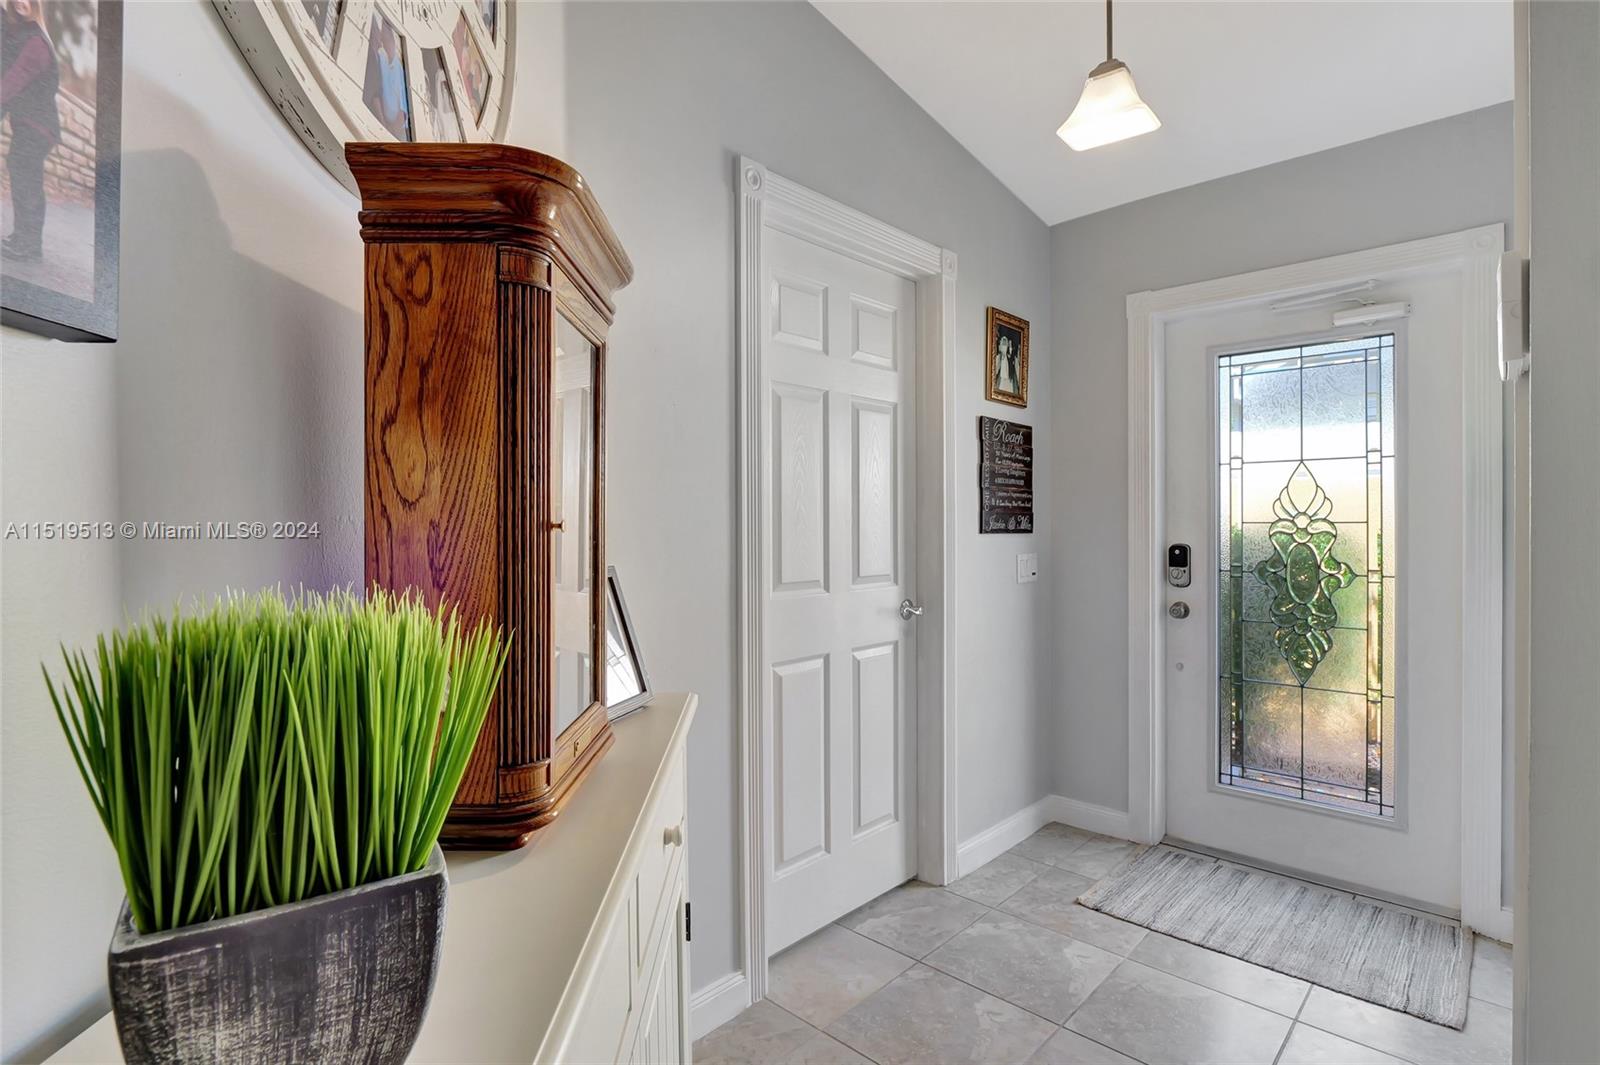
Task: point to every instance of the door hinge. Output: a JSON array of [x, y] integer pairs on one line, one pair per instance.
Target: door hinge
[[688, 921]]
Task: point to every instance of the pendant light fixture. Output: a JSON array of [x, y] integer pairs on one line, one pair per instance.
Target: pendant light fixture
[[1109, 109]]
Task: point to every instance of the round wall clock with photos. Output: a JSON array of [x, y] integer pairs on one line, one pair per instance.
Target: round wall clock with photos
[[375, 70]]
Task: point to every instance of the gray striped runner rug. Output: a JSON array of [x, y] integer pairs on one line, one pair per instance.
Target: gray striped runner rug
[[1396, 958]]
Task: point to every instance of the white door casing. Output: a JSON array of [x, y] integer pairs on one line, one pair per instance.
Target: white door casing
[[840, 456], [1450, 541], [771, 209]]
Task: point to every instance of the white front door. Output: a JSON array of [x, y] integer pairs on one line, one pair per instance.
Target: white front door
[[839, 354], [1313, 690]]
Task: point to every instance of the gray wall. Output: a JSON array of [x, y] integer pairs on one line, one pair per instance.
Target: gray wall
[[1558, 926], [1418, 182], [235, 392], [660, 100]]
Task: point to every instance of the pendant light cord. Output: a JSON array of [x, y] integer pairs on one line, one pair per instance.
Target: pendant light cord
[[1108, 29]]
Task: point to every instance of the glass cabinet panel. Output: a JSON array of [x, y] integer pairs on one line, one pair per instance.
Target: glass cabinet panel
[[572, 483]]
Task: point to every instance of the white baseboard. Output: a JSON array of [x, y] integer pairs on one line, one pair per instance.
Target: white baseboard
[[1001, 837], [995, 840], [1091, 818], [718, 1003]]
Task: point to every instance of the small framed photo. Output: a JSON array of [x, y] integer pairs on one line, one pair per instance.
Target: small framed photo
[[384, 89], [474, 71], [627, 683], [441, 97], [1007, 364]]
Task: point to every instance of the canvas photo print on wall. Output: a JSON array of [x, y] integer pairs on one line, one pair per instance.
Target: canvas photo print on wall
[[1006, 367], [60, 142]]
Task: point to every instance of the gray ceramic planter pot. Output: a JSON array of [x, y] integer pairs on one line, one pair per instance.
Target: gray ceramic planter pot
[[344, 977]]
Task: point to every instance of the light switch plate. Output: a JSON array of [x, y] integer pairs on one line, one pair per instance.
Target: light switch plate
[[1027, 568]]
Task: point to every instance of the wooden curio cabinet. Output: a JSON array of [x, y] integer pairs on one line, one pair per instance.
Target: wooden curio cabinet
[[490, 272]]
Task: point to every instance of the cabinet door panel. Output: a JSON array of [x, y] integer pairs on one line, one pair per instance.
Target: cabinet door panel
[[663, 1034]]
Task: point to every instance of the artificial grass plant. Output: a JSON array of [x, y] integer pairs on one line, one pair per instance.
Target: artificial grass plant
[[266, 750]]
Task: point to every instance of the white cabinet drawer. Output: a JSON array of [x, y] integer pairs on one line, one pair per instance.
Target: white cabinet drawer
[[664, 837]]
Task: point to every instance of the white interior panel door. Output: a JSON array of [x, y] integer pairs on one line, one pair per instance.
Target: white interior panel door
[[1314, 688], [839, 354]]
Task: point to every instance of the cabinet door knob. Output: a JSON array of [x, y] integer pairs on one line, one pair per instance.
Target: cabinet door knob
[[673, 836]]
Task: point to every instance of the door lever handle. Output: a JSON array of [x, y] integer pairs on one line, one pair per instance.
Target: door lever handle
[[909, 610]]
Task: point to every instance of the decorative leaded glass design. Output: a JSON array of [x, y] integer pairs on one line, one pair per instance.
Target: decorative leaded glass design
[[1306, 573], [1303, 574]]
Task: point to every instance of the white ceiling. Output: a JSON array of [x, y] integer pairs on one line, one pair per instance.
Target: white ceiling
[[1236, 84]]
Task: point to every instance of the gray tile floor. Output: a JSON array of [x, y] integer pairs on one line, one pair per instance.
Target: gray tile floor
[[1004, 966]]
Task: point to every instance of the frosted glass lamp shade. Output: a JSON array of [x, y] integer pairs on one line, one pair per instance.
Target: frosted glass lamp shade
[[1109, 110]]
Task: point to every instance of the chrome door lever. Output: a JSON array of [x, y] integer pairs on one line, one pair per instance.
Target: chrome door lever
[[909, 610]]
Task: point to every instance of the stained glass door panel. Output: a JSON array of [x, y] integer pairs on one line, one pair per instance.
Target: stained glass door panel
[[1306, 573]]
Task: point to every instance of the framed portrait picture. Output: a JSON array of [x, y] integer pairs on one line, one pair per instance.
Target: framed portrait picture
[[1007, 365], [60, 182]]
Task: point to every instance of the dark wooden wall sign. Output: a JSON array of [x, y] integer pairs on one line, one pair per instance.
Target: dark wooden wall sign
[[490, 271], [1005, 476]]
